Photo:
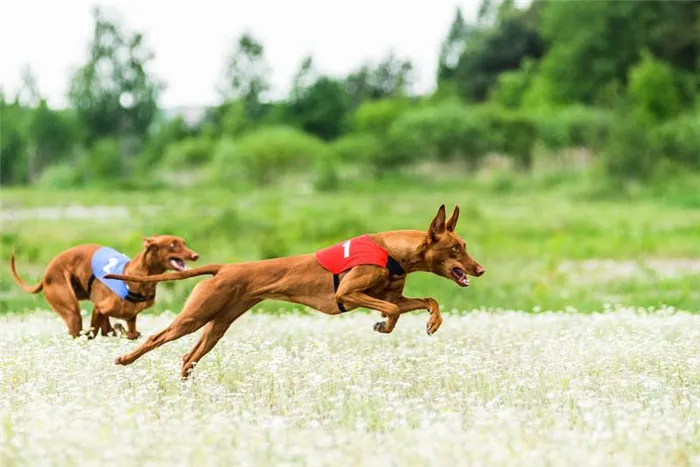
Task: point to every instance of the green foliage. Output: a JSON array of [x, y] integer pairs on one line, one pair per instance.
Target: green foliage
[[574, 126], [511, 86], [14, 142], [112, 94], [633, 151], [104, 165], [491, 50], [654, 88], [561, 74], [377, 116], [247, 76], [680, 139], [60, 176], [442, 132], [594, 44], [358, 148], [262, 156], [321, 108], [187, 153], [510, 132]]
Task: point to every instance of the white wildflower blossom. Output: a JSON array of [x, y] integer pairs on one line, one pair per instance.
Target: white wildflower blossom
[[491, 388]]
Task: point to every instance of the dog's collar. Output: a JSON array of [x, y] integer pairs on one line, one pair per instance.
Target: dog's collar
[[132, 297], [394, 267]]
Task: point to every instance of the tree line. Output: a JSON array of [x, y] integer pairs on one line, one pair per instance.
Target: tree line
[[618, 78]]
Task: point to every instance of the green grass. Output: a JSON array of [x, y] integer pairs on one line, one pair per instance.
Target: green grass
[[524, 232]]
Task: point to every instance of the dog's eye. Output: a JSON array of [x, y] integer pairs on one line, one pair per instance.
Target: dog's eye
[[455, 248], [172, 246]]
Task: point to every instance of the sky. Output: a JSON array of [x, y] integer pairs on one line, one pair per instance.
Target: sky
[[191, 43]]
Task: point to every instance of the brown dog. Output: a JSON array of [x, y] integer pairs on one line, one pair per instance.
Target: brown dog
[[70, 277], [302, 279]]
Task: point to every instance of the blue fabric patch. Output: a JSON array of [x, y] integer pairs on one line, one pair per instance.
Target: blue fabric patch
[[108, 261]]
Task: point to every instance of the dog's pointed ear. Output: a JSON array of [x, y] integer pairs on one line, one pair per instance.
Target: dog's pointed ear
[[452, 221], [438, 225], [148, 242]]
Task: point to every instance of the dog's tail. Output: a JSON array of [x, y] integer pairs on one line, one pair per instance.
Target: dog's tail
[[26, 287], [175, 276]]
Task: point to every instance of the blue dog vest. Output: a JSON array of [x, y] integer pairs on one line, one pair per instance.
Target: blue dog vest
[[109, 261]]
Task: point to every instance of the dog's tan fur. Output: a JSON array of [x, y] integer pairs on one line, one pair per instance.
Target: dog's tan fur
[[235, 288], [65, 283]]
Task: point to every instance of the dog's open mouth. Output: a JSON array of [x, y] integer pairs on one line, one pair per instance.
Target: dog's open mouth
[[460, 276], [177, 264]]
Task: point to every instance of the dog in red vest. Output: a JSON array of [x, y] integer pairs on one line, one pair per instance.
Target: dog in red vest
[[367, 271]]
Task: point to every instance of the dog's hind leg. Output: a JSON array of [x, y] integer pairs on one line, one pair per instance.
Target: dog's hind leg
[[214, 331], [59, 293], [203, 304]]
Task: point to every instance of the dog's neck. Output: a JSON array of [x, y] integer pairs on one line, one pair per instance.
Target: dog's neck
[[406, 247], [143, 264]]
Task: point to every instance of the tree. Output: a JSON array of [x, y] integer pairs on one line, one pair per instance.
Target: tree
[[113, 94], [452, 47], [594, 44], [493, 49], [304, 78], [28, 94], [392, 77], [247, 76]]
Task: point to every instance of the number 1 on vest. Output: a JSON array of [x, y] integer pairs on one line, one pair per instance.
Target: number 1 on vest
[[346, 249]]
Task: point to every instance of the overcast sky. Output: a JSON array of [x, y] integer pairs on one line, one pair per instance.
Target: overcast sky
[[191, 43]]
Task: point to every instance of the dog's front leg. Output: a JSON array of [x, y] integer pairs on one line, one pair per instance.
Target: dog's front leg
[[388, 309], [430, 304], [351, 292], [132, 333]]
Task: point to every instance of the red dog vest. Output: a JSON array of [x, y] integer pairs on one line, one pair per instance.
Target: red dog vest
[[354, 252]]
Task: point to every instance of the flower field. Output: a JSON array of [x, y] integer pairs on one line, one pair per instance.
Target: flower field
[[621, 387]]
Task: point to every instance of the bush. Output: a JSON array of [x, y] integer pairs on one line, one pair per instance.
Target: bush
[[632, 151], [511, 86], [103, 164], [510, 132], [362, 148], [377, 116], [440, 132], [679, 139], [60, 176], [654, 88], [262, 156], [574, 126], [190, 152]]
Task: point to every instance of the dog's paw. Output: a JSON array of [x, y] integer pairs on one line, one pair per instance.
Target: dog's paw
[[379, 327], [119, 361], [433, 324], [133, 336]]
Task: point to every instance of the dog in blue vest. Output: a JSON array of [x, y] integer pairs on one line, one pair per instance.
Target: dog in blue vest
[[79, 274]]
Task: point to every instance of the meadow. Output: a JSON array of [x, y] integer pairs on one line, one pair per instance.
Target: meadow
[[490, 388], [579, 346], [546, 243]]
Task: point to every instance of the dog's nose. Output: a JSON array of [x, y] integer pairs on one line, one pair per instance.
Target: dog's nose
[[194, 256], [479, 270]]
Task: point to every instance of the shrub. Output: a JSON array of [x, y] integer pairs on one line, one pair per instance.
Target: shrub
[[679, 139], [440, 132], [190, 152], [363, 148], [632, 152], [377, 116], [510, 132], [574, 126], [60, 176], [654, 87], [103, 164], [262, 156]]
